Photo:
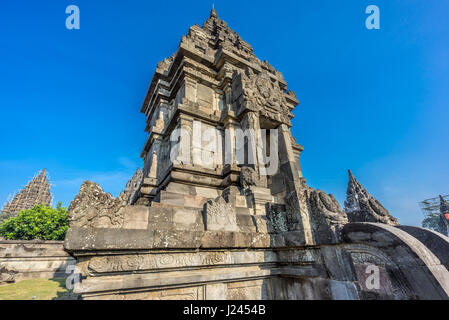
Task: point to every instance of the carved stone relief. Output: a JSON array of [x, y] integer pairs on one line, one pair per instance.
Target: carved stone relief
[[220, 215], [94, 208]]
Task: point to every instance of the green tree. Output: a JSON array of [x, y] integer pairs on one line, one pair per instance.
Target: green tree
[[40, 222]]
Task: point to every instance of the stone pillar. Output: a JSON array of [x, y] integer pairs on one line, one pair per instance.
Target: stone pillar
[[255, 143], [219, 156], [297, 209], [229, 141], [184, 144], [190, 89]]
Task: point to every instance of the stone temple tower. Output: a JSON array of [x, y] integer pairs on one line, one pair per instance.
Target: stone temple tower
[[202, 104], [37, 191], [221, 210]]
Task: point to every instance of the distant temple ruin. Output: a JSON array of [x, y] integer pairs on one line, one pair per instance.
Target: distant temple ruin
[[221, 209], [443, 224], [37, 191], [436, 212]]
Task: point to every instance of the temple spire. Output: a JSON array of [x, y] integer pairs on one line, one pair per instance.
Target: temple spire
[[360, 206], [350, 174], [213, 12], [37, 191]]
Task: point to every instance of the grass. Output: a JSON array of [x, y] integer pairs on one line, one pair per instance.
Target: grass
[[35, 289]]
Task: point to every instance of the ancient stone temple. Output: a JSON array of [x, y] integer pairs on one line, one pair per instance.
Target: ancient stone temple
[[221, 209], [37, 191]]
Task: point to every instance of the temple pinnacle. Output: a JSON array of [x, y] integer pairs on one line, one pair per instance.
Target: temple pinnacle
[[213, 12], [360, 206], [37, 191]]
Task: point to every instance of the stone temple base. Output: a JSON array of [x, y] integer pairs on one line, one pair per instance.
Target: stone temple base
[[181, 259]]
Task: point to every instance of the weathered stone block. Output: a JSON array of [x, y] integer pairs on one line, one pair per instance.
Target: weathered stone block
[[136, 217], [245, 223], [216, 291], [207, 193], [181, 189]]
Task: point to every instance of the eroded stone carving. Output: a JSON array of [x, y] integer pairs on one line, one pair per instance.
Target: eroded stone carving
[[158, 261], [368, 255], [94, 208], [297, 205], [220, 215], [141, 262], [277, 215], [360, 206], [249, 177], [327, 215], [164, 66], [389, 283], [7, 276], [185, 294], [259, 93]]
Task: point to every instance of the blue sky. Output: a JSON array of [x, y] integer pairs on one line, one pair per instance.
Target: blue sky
[[374, 101]]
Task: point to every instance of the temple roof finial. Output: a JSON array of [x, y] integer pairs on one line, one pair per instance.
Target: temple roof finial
[[360, 206], [213, 12]]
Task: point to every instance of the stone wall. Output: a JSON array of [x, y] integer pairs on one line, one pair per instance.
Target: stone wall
[[21, 260], [196, 264]]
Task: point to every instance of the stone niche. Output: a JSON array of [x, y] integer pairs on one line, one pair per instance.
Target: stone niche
[[225, 228]]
